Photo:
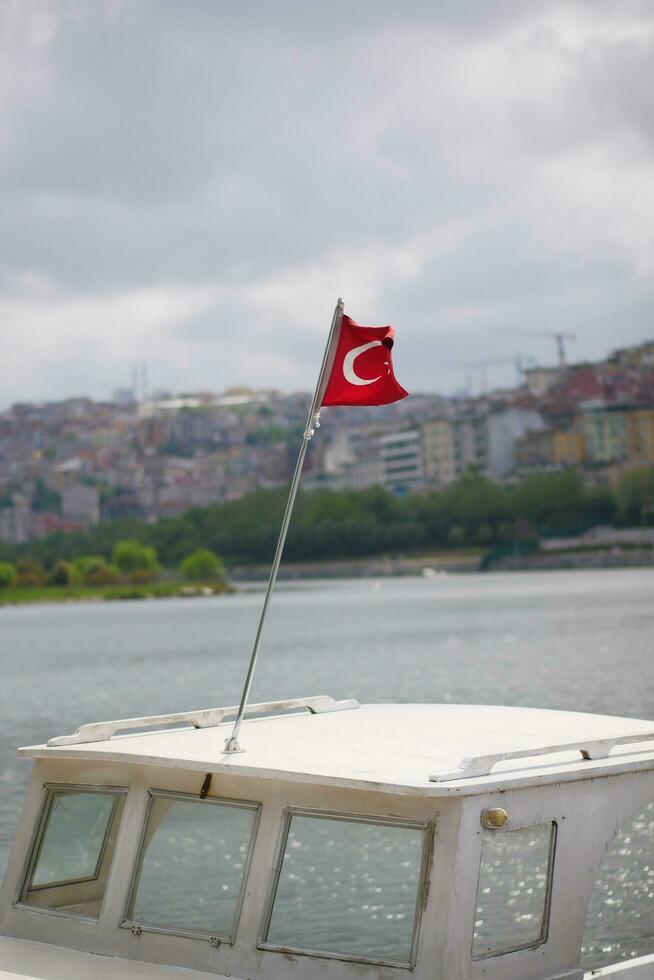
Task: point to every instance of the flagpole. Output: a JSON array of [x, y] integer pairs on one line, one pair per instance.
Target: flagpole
[[232, 743]]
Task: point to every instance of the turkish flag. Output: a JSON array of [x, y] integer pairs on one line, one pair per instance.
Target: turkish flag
[[362, 367]]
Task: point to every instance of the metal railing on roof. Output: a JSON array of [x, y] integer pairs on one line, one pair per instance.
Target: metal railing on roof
[[592, 748], [100, 731]]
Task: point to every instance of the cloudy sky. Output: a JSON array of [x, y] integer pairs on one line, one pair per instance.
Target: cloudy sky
[[195, 182]]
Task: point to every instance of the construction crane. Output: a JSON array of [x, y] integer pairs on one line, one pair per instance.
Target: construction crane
[[558, 335]]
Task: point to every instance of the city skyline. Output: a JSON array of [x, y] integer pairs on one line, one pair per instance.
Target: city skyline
[[68, 465], [477, 380]]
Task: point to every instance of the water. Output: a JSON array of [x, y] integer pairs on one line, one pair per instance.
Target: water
[[578, 640]]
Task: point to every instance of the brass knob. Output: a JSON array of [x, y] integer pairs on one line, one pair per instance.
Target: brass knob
[[494, 818]]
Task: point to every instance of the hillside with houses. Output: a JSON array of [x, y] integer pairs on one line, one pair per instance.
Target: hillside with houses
[[70, 465]]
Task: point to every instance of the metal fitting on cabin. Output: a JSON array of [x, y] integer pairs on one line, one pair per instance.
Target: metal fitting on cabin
[[493, 818]]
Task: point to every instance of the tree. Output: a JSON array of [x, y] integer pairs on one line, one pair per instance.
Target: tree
[[64, 573], [551, 500], [30, 573], [96, 570], [636, 494], [131, 556], [7, 575], [456, 536], [203, 564], [476, 501], [484, 534]]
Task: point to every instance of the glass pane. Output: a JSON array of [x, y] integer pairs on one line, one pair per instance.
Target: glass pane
[[73, 839], [513, 892], [193, 865], [74, 851], [348, 888], [620, 918]]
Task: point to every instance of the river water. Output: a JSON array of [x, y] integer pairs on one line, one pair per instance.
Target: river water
[[578, 640]]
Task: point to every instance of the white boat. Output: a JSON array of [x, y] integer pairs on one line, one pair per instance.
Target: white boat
[[444, 842]]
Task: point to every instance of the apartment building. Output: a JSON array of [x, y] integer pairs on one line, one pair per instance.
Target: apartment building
[[402, 461], [81, 503], [15, 520], [470, 441], [549, 449], [503, 429], [641, 356], [640, 436], [605, 431], [438, 451], [569, 448]]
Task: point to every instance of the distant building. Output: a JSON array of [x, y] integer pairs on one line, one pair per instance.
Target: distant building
[[470, 440], [352, 459], [80, 502], [68, 472], [504, 427], [549, 449], [533, 452], [539, 380], [639, 356], [367, 471], [605, 429], [401, 460], [640, 436], [341, 451], [582, 383], [569, 448], [438, 451], [19, 523], [15, 520], [44, 523]]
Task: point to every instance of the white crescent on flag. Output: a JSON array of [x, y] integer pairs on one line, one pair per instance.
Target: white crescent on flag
[[348, 364]]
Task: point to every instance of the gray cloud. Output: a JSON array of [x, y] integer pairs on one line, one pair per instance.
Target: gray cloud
[[196, 183]]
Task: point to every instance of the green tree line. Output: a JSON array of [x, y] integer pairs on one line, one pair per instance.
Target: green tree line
[[474, 511], [131, 563]]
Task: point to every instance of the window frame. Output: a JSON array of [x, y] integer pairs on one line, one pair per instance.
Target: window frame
[[547, 905], [49, 792], [426, 827], [127, 920]]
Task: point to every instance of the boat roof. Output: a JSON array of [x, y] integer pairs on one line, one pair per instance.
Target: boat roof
[[416, 749]]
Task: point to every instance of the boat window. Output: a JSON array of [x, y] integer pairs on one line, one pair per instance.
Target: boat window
[[349, 888], [514, 889], [192, 865], [73, 850], [621, 909]]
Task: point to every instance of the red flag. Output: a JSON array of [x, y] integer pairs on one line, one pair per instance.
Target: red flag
[[362, 370]]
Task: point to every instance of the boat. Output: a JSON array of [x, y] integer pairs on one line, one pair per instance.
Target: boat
[[322, 839], [342, 841]]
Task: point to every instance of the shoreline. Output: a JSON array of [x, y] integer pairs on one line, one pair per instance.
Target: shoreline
[[385, 566], [156, 590], [542, 561], [375, 566], [430, 566]]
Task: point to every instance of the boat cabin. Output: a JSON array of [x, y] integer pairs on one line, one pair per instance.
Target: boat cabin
[[444, 842]]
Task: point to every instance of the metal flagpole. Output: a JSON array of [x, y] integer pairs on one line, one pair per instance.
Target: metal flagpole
[[232, 744]]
